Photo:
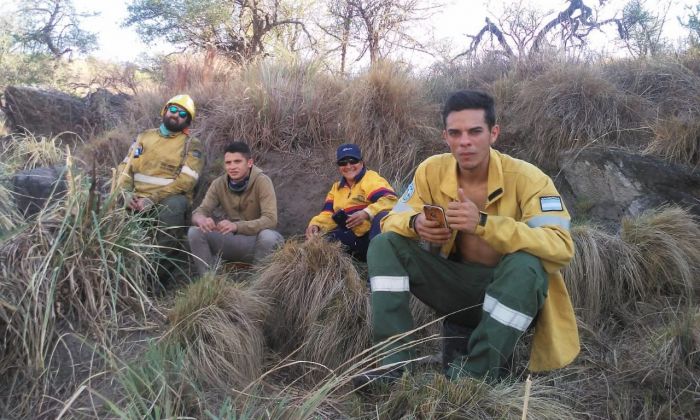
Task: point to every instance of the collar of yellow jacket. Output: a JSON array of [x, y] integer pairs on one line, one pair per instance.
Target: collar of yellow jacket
[[449, 185]]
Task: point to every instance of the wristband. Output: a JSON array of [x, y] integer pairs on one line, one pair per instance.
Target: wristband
[[483, 217]]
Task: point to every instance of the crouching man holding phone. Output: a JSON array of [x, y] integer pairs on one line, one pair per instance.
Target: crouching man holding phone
[[498, 260], [355, 204]]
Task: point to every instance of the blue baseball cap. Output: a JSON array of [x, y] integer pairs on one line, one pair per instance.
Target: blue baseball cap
[[348, 150]]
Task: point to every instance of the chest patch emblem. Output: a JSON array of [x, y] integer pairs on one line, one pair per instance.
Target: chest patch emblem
[[551, 204]]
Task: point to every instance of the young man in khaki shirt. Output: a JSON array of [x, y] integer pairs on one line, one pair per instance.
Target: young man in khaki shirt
[[237, 216]]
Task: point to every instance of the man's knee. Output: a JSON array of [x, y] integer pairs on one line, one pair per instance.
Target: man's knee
[[268, 238], [383, 240], [194, 234], [522, 264]]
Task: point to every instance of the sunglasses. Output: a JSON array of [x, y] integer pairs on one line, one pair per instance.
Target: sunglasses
[[351, 161], [175, 110]]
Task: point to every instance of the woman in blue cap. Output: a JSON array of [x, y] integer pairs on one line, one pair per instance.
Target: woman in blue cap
[[355, 204]]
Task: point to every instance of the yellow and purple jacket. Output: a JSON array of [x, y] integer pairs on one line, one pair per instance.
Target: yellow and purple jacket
[[371, 194]]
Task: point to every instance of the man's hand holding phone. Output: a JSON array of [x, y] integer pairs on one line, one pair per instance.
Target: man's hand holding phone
[[431, 225]]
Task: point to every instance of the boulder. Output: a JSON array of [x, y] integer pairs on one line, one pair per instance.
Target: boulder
[[44, 112], [32, 187], [606, 185], [106, 109], [49, 112]]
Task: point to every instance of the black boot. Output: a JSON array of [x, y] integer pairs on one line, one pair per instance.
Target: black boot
[[455, 338]]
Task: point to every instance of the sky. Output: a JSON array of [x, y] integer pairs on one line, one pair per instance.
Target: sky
[[451, 24]]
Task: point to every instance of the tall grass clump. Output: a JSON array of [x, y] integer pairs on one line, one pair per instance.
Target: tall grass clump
[[570, 106], [676, 139], [386, 112], [668, 243], [78, 264], [602, 273], [275, 106], [320, 306], [219, 324], [668, 87], [157, 386], [654, 256]]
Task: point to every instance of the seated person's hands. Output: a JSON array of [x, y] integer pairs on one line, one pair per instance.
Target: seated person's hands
[[139, 203], [311, 231], [430, 230], [207, 224], [226, 226], [356, 219]]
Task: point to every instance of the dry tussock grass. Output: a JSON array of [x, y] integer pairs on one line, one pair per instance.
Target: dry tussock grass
[[275, 107], [646, 368], [219, 324], [654, 256], [386, 112], [319, 303], [667, 86], [570, 106], [676, 139], [668, 243], [601, 274], [434, 396]]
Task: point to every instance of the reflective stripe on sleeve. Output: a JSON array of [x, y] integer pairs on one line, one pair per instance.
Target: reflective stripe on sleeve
[[400, 207], [189, 171], [147, 179], [505, 315], [389, 284], [548, 220]]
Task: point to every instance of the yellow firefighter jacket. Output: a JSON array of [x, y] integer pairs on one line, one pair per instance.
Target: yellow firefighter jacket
[[165, 166], [525, 213], [371, 193]]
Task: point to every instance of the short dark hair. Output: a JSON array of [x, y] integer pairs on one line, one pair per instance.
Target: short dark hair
[[238, 147], [470, 99]]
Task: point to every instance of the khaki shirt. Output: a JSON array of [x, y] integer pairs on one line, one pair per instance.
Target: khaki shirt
[[253, 210]]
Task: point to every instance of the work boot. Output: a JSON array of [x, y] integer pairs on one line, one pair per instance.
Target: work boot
[[455, 338], [382, 375]]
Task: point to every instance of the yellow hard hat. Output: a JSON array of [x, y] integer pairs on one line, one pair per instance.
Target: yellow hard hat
[[181, 100]]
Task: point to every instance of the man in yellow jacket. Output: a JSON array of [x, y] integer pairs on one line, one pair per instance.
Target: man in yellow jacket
[[494, 270], [163, 165]]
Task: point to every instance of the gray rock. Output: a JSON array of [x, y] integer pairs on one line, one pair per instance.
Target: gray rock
[[32, 187], [606, 185], [49, 112], [44, 112]]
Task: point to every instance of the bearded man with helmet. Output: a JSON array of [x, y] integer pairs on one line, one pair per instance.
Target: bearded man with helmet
[[163, 165]]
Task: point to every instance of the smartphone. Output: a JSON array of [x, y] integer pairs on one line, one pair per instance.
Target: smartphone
[[435, 213]]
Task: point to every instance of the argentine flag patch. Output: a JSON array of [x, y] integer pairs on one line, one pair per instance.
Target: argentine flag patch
[[551, 204]]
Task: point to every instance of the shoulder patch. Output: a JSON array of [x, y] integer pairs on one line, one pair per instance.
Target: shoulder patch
[[408, 193], [197, 154], [552, 203]]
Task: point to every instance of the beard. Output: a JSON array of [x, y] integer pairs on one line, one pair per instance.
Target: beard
[[174, 125]]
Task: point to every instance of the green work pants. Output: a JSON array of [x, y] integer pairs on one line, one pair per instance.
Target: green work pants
[[172, 212], [499, 303]]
